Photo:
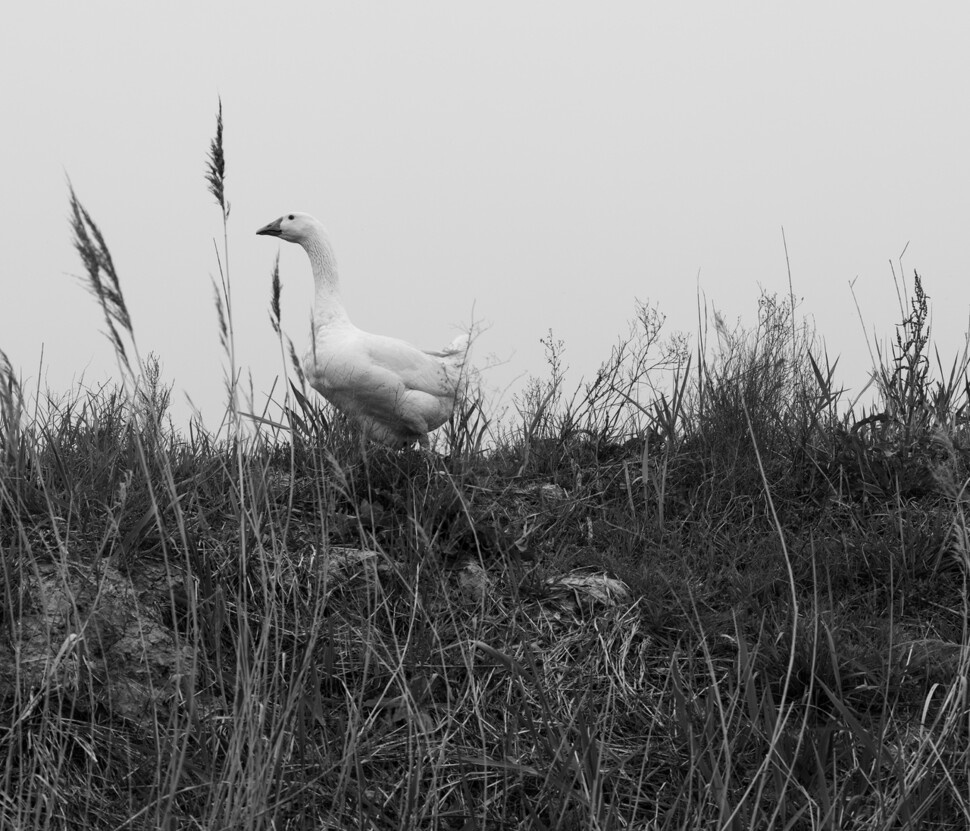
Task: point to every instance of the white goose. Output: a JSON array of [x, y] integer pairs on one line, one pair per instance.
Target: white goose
[[396, 392]]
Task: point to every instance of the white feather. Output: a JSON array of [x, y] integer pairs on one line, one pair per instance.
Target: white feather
[[396, 392]]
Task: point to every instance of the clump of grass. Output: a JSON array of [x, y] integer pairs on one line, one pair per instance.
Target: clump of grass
[[12, 438], [273, 629]]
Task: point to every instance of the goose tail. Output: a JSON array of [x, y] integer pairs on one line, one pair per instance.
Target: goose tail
[[454, 354], [459, 346]]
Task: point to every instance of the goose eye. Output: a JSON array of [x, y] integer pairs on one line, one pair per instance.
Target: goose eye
[[290, 216]]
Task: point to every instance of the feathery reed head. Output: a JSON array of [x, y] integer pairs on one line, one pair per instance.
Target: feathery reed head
[[216, 166], [102, 279], [274, 303]]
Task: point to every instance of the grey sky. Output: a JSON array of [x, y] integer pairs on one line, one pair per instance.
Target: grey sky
[[543, 163]]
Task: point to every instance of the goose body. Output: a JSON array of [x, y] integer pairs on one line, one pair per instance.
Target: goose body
[[396, 392]]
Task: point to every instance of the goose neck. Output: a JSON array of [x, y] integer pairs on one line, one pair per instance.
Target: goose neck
[[328, 306], [322, 260]]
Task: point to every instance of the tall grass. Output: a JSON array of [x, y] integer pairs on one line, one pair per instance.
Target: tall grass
[[700, 591]]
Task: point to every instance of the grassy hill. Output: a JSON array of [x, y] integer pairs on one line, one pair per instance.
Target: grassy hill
[[704, 591]]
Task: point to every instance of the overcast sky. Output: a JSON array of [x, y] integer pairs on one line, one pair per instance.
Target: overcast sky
[[534, 165]]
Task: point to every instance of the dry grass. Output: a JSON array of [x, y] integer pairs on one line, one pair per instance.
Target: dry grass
[[700, 592]]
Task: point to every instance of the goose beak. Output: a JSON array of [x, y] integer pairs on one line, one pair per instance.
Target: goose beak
[[271, 230]]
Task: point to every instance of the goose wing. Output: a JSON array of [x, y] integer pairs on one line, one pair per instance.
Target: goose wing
[[436, 373], [387, 384]]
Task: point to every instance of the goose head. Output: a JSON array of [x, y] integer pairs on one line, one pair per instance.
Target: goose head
[[294, 227], [309, 234]]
